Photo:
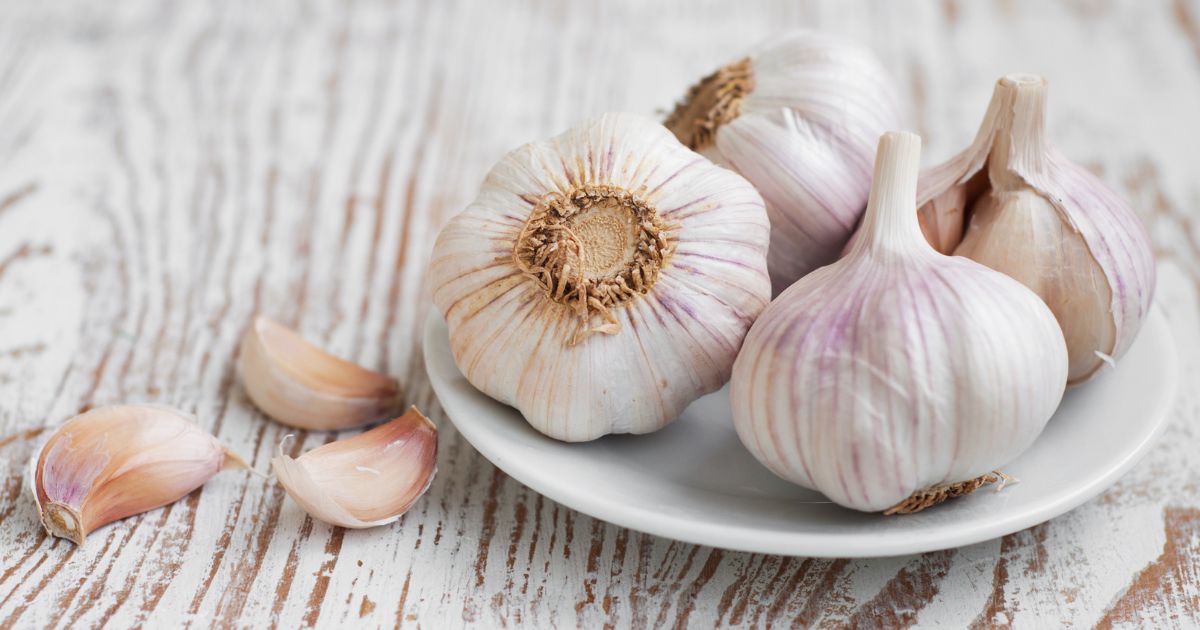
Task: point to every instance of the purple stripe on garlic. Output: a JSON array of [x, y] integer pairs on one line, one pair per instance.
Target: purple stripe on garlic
[[897, 376]]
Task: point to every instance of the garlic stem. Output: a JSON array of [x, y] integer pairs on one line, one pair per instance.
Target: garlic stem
[[891, 221], [1019, 145]]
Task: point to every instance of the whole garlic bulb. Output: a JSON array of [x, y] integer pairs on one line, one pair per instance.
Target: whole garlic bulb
[[799, 118], [1048, 223], [897, 372], [604, 279]]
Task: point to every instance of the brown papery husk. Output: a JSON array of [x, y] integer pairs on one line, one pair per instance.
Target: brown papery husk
[[593, 250], [713, 101], [934, 495]]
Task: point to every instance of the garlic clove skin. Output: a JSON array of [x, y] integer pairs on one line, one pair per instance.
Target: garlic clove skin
[[897, 371], [302, 386], [114, 462], [365, 481], [683, 282], [799, 117], [1014, 203]]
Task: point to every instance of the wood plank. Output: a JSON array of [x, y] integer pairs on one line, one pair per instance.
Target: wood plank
[[170, 170]]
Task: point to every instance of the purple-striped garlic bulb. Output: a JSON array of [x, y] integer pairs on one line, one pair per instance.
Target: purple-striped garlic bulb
[[1047, 222], [897, 376], [799, 117], [604, 279]]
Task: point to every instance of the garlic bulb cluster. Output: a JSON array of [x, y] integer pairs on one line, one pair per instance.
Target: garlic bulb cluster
[[604, 279], [302, 386], [368, 480], [897, 376], [1015, 204], [799, 118], [114, 462]]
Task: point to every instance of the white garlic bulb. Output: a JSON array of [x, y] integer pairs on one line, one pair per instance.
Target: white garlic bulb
[[897, 373], [799, 118], [604, 279], [1048, 223]]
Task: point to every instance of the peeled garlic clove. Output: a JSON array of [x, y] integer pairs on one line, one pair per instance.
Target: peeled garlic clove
[[368, 480], [897, 377], [799, 118], [1047, 222], [604, 279], [300, 385], [115, 462]]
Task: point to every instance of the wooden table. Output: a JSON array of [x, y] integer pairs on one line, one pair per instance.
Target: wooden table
[[167, 170]]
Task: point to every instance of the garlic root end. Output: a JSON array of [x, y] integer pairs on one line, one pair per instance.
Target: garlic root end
[[934, 495], [63, 521]]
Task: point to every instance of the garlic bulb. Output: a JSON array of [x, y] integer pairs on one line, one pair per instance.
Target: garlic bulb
[[367, 480], [799, 118], [604, 279], [897, 372], [300, 385], [115, 462], [1046, 222]]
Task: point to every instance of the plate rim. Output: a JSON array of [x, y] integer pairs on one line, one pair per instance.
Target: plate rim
[[816, 545]]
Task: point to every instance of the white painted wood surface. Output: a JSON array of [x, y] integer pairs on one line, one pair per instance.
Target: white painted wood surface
[[169, 169]]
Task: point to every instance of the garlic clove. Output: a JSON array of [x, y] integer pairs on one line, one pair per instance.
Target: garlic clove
[[300, 385], [897, 377], [1015, 204], [668, 248], [799, 118], [368, 480], [114, 462]]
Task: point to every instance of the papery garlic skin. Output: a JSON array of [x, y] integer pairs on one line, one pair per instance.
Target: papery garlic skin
[[367, 480], [115, 462], [799, 118], [896, 369], [693, 267], [300, 385], [1047, 222]]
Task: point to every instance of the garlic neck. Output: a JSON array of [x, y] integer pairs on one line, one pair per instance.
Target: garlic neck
[[890, 223], [1018, 131], [714, 101]]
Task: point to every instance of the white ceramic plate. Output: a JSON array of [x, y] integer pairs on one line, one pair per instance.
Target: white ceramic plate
[[693, 481]]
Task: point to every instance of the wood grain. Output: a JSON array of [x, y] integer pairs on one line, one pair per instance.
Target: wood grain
[[167, 170]]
